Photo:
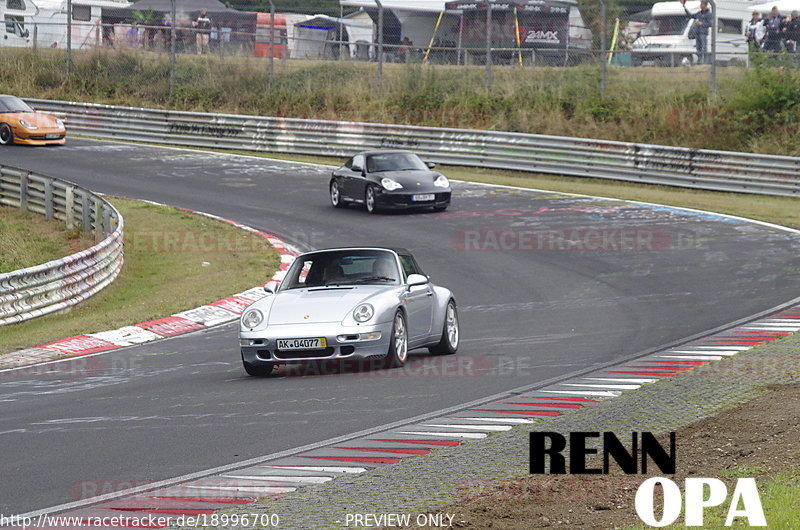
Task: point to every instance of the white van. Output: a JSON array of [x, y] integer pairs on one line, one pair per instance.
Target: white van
[[43, 23], [665, 40]]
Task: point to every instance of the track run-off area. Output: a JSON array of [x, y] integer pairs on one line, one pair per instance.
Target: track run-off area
[[547, 284]]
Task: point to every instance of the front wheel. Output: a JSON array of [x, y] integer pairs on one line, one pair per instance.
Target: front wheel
[[257, 370], [336, 194], [6, 134], [262, 370], [448, 344], [369, 199], [398, 347]]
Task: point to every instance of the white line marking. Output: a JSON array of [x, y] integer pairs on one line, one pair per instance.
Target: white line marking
[[773, 327], [694, 357], [727, 348], [592, 393], [702, 352], [323, 469], [476, 435], [473, 427], [275, 478], [500, 420], [621, 380], [248, 489], [614, 387]]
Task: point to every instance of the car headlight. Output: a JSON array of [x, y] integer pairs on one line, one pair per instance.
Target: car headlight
[[27, 125], [363, 313], [441, 182], [252, 318], [60, 122], [390, 184]]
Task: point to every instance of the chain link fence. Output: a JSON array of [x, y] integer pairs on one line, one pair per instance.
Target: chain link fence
[[492, 35]]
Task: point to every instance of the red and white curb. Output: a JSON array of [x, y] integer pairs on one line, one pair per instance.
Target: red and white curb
[[273, 476], [213, 314]]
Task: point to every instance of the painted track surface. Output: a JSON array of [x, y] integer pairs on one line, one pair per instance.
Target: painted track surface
[[182, 405]]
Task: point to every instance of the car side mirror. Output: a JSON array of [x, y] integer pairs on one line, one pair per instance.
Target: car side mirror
[[417, 279], [430, 165], [271, 286], [357, 169]]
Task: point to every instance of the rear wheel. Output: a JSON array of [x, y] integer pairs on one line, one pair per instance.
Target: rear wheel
[[336, 194], [369, 199], [450, 332], [398, 347], [6, 134]]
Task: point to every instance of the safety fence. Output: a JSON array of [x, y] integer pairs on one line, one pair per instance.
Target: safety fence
[[461, 33], [62, 283], [577, 157]]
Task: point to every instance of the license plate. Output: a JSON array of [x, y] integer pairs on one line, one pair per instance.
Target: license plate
[[424, 197], [52, 136], [302, 344]]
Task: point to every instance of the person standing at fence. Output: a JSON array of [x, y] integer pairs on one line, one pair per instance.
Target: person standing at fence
[[202, 25], [772, 42], [755, 31], [702, 21], [790, 30]]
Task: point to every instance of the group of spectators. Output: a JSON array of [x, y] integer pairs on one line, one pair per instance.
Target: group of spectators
[[150, 35], [775, 33]]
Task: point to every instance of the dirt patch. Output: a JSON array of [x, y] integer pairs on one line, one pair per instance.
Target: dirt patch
[[757, 439]]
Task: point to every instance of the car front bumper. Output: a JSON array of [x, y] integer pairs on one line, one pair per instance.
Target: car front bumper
[[351, 342], [401, 200], [39, 136]]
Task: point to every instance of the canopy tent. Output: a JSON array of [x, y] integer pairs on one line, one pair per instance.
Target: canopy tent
[[239, 25], [318, 36], [212, 6], [422, 6], [540, 24], [187, 10]]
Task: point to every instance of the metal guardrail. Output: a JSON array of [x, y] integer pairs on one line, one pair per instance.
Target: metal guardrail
[[577, 157], [62, 283]]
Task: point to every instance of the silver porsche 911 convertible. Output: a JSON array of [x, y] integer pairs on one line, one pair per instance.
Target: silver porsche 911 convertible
[[348, 303]]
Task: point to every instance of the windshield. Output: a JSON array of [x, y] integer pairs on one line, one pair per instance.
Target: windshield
[[670, 25], [13, 104], [342, 267], [394, 162]]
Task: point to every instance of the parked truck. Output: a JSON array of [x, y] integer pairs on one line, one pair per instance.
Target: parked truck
[[665, 40], [43, 23]]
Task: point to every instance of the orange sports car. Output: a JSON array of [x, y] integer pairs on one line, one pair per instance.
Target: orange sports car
[[21, 124]]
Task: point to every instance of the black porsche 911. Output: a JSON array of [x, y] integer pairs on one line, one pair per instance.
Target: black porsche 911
[[391, 180]]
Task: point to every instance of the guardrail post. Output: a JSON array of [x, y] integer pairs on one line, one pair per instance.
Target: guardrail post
[[488, 75], [86, 213], [714, 28], [49, 206], [380, 44], [23, 192], [107, 220], [98, 220], [69, 207], [603, 74]]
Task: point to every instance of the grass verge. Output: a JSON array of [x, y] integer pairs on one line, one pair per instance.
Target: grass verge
[[27, 239], [754, 110], [174, 260]]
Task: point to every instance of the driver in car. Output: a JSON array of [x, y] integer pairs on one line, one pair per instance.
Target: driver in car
[[384, 268]]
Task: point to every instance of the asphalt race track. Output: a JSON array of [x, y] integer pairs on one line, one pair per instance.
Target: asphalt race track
[[546, 284]]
